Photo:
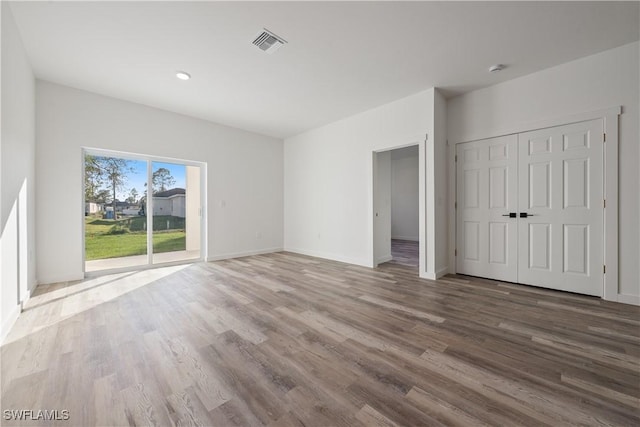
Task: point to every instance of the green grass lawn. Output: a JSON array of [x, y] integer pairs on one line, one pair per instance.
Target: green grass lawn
[[107, 238]]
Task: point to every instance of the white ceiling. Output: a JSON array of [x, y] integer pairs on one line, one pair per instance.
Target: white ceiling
[[342, 57]]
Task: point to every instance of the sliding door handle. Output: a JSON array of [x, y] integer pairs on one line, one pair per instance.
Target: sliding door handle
[[510, 215]]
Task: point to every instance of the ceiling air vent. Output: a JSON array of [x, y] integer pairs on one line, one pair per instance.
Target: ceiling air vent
[[268, 42]]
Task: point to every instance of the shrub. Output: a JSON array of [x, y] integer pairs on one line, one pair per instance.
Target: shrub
[[118, 229]]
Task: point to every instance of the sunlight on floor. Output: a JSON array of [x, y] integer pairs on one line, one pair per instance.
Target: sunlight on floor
[[53, 303]]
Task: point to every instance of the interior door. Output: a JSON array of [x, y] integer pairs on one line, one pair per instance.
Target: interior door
[[487, 176], [561, 208]]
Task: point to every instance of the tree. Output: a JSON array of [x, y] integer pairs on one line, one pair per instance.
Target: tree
[[133, 196], [103, 196], [92, 178], [113, 170], [162, 180]]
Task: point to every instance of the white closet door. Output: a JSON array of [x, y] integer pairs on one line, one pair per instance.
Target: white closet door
[[561, 194], [486, 195]]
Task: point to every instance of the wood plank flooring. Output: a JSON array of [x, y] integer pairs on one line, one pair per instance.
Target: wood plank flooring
[[290, 340], [405, 252]]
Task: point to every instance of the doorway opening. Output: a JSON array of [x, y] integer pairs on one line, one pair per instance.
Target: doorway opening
[[140, 211], [397, 206]]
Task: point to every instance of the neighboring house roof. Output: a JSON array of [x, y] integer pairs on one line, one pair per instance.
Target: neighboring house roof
[[122, 204], [169, 193]]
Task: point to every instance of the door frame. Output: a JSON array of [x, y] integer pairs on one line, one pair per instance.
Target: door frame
[[609, 118], [150, 159], [420, 141]]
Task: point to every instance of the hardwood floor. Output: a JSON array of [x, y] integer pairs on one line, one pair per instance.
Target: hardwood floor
[[405, 252], [289, 340]]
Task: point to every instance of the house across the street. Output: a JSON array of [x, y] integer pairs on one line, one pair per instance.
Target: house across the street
[[170, 202], [92, 207]]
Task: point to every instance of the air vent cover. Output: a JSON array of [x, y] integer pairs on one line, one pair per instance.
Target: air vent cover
[[268, 42]]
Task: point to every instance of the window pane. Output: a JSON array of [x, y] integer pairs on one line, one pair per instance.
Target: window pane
[[176, 212], [115, 225]]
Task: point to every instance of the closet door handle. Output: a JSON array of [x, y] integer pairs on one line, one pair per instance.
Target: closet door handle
[[510, 215], [525, 215]]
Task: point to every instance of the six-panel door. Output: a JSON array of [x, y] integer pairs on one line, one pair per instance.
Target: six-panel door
[[552, 179], [561, 190], [487, 194]]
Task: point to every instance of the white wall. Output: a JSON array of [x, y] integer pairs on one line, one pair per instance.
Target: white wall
[[328, 177], [244, 172], [593, 83], [440, 187], [405, 224], [17, 260]]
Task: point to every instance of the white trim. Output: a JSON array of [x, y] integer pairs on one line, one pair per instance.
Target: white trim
[[628, 299], [11, 320], [409, 141], [384, 259], [442, 272], [428, 214], [8, 324], [28, 297], [148, 159], [611, 233], [204, 222], [453, 218], [327, 255], [137, 156], [148, 211], [142, 267], [610, 126], [245, 253], [541, 124], [435, 276], [83, 152], [60, 279]]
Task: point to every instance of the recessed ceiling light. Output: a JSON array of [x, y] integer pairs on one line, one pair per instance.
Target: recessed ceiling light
[[497, 67], [183, 75]]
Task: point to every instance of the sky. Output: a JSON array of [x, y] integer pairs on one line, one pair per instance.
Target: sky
[[138, 177]]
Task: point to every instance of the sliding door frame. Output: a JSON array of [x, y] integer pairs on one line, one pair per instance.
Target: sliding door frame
[[149, 159]]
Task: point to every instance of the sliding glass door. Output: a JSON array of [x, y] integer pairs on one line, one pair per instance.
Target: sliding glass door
[[140, 210], [176, 212]]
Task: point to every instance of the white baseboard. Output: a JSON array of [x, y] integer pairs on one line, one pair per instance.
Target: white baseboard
[[629, 299], [5, 328], [243, 254], [8, 324], [384, 259], [442, 272], [411, 239], [329, 256], [428, 275], [59, 279], [434, 276], [29, 293]]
